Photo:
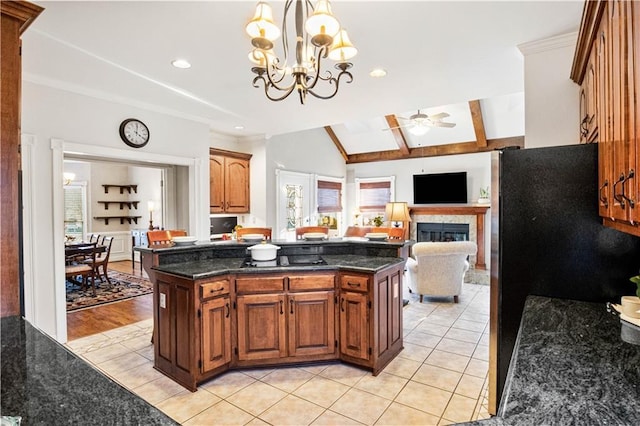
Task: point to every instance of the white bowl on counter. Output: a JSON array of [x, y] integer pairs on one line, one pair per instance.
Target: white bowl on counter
[[314, 236], [376, 236], [184, 241], [252, 237], [262, 252]]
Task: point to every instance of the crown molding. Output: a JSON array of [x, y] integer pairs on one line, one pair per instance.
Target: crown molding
[[548, 44]]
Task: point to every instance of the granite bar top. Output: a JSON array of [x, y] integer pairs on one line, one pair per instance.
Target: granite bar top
[[202, 269], [231, 244], [46, 384], [570, 366]]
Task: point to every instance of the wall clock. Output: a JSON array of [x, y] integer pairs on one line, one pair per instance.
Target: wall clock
[[134, 132]]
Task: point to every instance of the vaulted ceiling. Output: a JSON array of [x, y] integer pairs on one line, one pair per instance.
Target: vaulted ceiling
[[455, 57]]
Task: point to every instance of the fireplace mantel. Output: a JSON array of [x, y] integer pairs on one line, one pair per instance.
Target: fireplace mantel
[[477, 210], [448, 209]]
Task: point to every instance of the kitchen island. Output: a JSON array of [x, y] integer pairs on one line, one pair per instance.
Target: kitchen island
[[215, 310]]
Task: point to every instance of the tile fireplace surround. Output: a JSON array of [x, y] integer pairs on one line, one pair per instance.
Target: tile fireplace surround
[[473, 215]]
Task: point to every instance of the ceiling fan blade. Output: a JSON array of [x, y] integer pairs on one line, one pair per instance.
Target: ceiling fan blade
[[439, 116], [443, 124]]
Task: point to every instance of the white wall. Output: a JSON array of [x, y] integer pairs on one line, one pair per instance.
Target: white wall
[[310, 151], [49, 113], [551, 98]]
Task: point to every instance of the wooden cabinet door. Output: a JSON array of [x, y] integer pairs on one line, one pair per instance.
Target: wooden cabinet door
[[174, 339], [633, 95], [354, 325], [261, 326], [605, 152], [216, 333], [592, 99], [618, 100], [388, 312], [588, 102], [216, 184], [311, 323], [236, 185]]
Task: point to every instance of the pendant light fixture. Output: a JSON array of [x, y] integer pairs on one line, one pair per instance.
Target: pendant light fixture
[[317, 36]]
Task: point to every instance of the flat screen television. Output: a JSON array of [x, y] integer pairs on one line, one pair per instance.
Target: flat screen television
[[440, 188]]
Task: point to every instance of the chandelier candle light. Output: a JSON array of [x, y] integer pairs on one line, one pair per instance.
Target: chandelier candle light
[[320, 37]]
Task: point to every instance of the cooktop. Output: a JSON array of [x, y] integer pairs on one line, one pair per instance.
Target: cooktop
[[291, 260]]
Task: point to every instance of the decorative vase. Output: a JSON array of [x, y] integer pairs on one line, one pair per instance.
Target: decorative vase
[[483, 200]]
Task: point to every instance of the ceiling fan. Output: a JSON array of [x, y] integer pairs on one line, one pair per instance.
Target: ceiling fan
[[419, 124]]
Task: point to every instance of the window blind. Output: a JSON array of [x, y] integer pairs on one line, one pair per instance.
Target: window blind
[[329, 196], [374, 196]]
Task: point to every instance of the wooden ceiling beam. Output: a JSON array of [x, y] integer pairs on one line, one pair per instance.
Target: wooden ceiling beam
[[438, 150], [398, 135], [478, 123], [337, 142]]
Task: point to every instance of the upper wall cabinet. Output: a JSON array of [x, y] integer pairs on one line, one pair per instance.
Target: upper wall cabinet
[[229, 190], [607, 68]]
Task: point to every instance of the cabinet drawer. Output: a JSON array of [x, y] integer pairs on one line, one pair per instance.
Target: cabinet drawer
[[259, 284], [213, 289], [311, 282], [354, 283]]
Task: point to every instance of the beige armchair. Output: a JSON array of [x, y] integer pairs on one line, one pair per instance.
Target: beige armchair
[[437, 269]]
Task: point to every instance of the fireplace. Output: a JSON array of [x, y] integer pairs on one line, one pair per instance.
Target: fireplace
[[429, 231], [471, 215]]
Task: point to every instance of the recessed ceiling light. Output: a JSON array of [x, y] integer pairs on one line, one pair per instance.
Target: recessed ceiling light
[[378, 72], [239, 127], [181, 63]]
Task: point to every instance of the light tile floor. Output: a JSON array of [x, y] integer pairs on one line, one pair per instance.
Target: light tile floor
[[439, 378]]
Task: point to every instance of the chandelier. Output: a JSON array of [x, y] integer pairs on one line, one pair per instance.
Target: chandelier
[[318, 35]]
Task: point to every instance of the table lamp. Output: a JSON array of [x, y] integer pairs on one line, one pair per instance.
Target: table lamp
[[397, 212]]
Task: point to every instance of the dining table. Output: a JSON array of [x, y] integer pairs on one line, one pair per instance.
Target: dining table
[[76, 251], [78, 248]]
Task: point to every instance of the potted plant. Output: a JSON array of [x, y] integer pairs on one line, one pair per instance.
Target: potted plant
[[484, 196], [636, 281], [377, 221]]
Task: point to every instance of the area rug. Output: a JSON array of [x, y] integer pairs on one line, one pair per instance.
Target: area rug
[[123, 286]]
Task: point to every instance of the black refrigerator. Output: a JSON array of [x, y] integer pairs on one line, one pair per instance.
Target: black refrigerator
[[548, 240]]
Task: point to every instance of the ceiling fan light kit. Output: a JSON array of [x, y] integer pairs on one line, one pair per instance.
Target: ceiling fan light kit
[[318, 35], [419, 129]]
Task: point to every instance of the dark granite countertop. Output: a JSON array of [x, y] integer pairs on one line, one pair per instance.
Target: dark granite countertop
[[46, 384], [570, 366], [201, 269], [302, 243]]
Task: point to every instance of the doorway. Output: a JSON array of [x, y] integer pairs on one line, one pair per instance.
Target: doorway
[[41, 307], [295, 195]]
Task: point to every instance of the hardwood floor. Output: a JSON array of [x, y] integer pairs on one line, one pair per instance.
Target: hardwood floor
[[106, 317]]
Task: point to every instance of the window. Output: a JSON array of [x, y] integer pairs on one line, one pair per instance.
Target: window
[[329, 202], [373, 194], [329, 196], [74, 211]]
